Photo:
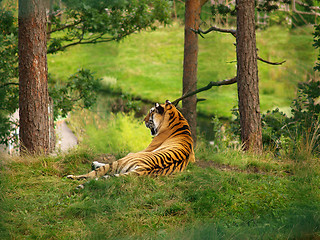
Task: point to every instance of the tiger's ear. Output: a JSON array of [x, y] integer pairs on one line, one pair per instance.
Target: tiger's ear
[[159, 108], [168, 104]]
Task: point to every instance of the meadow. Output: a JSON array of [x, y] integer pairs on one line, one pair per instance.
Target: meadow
[[225, 194], [149, 65]]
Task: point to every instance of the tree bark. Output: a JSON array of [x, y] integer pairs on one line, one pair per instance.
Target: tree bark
[[189, 105], [33, 87], [247, 77]]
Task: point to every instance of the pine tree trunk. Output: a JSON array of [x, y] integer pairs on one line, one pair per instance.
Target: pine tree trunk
[[33, 87], [189, 105], [247, 74]]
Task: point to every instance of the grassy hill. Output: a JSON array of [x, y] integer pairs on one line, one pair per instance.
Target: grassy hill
[[149, 65], [222, 196]]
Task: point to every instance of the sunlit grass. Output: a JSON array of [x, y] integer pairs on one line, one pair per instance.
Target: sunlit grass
[[37, 202]]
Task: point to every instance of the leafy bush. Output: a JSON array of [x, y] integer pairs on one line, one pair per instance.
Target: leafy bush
[[80, 90], [300, 132], [8, 73], [295, 135], [273, 127]]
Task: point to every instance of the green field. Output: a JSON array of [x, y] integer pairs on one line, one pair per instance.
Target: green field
[[149, 65], [226, 195]]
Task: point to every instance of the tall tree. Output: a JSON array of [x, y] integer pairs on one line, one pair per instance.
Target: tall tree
[[247, 76], [190, 63], [71, 22], [33, 86]]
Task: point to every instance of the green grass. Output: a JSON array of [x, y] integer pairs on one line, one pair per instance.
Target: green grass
[[200, 203], [149, 64], [224, 195]]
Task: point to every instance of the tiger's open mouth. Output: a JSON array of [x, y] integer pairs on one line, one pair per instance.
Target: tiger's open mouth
[[150, 124]]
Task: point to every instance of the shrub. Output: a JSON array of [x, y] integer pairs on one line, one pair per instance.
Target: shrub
[[297, 135], [300, 132]]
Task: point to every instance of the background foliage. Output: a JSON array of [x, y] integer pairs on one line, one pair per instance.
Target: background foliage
[[8, 72], [94, 21], [70, 23]]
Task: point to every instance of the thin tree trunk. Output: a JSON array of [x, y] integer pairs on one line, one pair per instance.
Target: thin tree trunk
[[33, 87], [247, 77], [52, 134], [189, 105], [174, 10]]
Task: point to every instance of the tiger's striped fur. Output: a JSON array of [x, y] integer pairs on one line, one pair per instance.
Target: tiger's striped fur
[[170, 150]]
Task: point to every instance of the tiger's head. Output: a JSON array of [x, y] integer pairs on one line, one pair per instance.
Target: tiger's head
[[156, 116]]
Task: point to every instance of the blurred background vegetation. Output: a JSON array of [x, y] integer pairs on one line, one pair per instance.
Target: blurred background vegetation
[[149, 65]]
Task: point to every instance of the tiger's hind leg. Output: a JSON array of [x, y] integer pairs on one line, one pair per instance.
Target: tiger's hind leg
[[102, 170]]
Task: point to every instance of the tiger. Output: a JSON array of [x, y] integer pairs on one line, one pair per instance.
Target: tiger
[[170, 150]]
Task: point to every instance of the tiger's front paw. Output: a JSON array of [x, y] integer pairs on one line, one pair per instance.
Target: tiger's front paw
[[71, 177], [76, 177], [81, 186]]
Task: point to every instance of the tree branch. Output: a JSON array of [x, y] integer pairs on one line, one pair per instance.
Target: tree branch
[[234, 33], [7, 84], [305, 5], [91, 41], [199, 31], [95, 39], [65, 26], [202, 2], [272, 63], [210, 85], [313, 9]]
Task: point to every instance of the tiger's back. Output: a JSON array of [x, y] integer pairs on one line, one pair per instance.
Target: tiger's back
[[170, 150]]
